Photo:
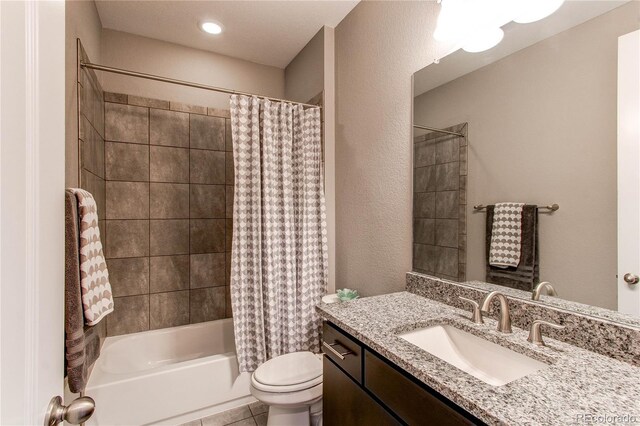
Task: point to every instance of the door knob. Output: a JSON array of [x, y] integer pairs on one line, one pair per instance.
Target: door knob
[[79, 411], [631, 278]]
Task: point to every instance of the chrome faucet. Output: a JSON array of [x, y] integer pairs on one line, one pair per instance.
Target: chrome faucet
[[504, 323], [535, 335], [545, 285]]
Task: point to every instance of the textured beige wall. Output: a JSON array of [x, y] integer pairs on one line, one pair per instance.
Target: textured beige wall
[[124, 50], [542, 129], [81, 21], [304, 76], [379, 46]]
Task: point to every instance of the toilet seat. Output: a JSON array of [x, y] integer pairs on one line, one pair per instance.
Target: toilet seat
[[292, 372]]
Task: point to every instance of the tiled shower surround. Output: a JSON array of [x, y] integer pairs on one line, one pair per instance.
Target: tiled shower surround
[[91, 152], [439, 204], [169, 198]]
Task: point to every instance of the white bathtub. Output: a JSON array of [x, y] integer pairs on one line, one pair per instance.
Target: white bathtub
[[168, 376]]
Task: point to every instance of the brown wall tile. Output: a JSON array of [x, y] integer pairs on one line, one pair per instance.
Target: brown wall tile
[[228, 140], [447, 176], [207, 167], [169, 273], [206, 132], [96, 186], [129, 277], [127, 238], [147, 102], [170, 236], [207, 304], [424, 179], [446, 232], [126, 123], [447, 205], [207, 235], [127, 200], [229, 169], [424, 205], [424, 231], [447, 149], [125, 161], [169, 309], [424, 154], [207, 270], [207, 201], [229, 201], [169, 201], [169, 164], [169, 128], [130, 315]]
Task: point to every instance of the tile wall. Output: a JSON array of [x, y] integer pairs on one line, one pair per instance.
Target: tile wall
[[439, 204], [168, 169], [91, 151]]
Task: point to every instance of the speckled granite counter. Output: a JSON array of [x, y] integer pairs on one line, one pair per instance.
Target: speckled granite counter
[[576, 383]]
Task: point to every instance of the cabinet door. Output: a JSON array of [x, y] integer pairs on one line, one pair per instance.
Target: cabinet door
[[409, 401], [347, 404]]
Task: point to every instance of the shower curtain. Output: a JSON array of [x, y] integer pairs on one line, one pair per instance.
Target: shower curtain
[[279, 252]]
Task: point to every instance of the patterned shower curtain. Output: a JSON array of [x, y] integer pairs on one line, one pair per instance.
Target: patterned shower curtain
[[279, 252]]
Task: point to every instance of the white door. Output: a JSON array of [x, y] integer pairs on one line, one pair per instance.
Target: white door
[[629, 173], [31, 208]]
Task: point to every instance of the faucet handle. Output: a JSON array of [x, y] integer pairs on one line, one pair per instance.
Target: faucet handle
[[476, 313], [535, 334]]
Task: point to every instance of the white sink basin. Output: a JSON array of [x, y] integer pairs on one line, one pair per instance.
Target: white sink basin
[[481, 358]]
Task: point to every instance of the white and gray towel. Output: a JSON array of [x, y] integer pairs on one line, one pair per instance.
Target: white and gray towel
[[97, 297], [506, 235]]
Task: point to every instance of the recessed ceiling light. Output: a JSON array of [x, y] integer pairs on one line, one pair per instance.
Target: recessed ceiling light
[[210, 27]]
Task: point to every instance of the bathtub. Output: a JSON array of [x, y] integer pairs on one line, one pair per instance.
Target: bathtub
[[169, 376]]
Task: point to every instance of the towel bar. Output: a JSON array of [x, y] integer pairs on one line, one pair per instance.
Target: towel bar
[[550, 207]]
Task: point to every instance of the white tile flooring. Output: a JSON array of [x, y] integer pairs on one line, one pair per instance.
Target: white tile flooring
[[248, 415]]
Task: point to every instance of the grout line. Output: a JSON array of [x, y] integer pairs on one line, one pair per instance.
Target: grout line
[[164, 146]]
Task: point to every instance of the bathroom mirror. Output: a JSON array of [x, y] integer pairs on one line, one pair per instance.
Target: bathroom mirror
[[532, 120]]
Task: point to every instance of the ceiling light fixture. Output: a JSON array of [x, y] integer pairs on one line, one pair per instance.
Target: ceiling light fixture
[[483, 40], [535, 10], [475, 25], [210, 27]]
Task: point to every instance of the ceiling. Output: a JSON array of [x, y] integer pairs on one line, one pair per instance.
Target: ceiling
[[516, 37], [266, 32]]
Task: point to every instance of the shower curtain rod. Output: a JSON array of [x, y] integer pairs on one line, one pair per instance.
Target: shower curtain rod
[[433, 129], [184, 83]]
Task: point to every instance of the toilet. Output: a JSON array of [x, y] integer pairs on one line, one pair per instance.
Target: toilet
[[291, 385]]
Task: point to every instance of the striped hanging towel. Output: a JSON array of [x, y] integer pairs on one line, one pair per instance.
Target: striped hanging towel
[[506, 235]]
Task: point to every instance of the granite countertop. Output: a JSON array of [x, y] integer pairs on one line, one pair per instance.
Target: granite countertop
[[576, 383]]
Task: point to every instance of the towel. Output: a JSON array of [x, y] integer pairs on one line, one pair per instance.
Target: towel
[[97, 299], [82, 343], [506, 230], [526, 274]]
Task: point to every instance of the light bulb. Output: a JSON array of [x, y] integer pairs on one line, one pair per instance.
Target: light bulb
[[534, 10], [483, 40], [211, 27]]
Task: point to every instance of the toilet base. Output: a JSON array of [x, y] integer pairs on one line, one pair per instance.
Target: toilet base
[[288, 416]]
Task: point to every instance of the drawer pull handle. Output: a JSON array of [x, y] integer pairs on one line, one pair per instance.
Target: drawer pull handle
[[330, 348]]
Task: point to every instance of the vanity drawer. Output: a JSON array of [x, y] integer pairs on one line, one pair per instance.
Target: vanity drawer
[[412, 402], [342, 350]]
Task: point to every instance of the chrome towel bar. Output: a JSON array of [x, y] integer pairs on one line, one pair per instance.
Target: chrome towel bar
[[550, 207]]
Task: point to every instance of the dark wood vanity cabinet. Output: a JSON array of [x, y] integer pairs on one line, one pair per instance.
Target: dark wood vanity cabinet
[[361, 388]]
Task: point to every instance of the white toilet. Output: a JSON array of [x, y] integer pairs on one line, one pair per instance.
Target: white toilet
[[291, 385]]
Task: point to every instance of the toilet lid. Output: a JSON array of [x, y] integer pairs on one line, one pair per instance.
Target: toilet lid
[[289, 369]]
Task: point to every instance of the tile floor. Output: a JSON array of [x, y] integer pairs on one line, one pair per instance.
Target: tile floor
[[248, 415]]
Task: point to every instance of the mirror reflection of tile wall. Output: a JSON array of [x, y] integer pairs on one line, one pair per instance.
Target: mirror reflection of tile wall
[[439, 204]]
